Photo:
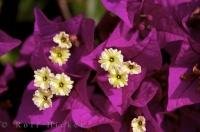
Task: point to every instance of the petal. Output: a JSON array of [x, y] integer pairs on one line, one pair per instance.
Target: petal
[[26, 51], [87, 34], [91, 60], [125, 9], [186, 56], [151, 123], [180, 92], [180, 8], [104, 105], [6, 76], [166, 38], [7, 43], [85, 116], [145, 51], [145, 93], [82, 112], [42, 23]]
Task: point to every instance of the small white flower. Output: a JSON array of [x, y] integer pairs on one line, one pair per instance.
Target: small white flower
[[61, 85], [132, 67], [118, 78], [138, 124], [110, 59], [59, 55], [63, 40], [43, 77], [42, 99]]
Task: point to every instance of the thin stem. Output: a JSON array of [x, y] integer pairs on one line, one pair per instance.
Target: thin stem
[[63, 4]]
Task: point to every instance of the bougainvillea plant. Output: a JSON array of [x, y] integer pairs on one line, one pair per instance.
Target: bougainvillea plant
[[137, 69]]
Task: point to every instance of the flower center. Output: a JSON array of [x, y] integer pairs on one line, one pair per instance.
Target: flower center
[[61, 84], [45, 78], [144, 25], [130, 66], [45, 98], [63, 39], [140, 123], [119, 76], [59, 54], [111, 59], [194, 20]]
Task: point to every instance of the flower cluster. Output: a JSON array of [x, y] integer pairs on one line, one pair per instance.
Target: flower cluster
[[49, 84], [60, 54], [111, 60]]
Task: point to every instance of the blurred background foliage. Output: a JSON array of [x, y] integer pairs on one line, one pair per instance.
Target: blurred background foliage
[[89, 8], [16, 16]]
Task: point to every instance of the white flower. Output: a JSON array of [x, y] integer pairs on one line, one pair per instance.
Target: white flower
[[61, 85], [118, 78], [42, 99], [42, 77], [110, 59], [132, 67], [138, 124], [59, 55], [63, 40]]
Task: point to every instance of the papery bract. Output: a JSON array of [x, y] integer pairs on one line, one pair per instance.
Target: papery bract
[[5, 77], [7, 43], [122, 9]]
